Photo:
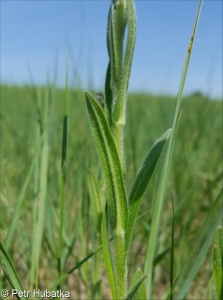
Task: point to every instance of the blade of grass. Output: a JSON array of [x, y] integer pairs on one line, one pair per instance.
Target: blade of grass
[[96, 204], [21, 198], [196, 265], [43, 188], [62, 178], [203, 242], [165, 170], [10, 270], [39, 130], [172, 254]]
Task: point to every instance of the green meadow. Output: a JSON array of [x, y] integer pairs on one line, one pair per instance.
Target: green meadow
[[194, 183]]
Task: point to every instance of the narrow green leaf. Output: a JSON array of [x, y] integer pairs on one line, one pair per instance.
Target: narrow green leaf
[[107, 257], [96, 291], [10, 270], [77, 266], [159, 257], [136, 284], [152, 243], [43, 183], [115, 65], [95, 199], [141, 295], [203, 242], [120, 104], [110, 164], [21, 198], [147, 169], [141, 181], [218, 262], [108, 96], [120, 93], [118, 30], [62, 178], [39, 131], [96, 204], [172, 254], [80, 263]]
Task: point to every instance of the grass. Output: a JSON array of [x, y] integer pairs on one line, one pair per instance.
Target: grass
[[191, 180], [104, 234]]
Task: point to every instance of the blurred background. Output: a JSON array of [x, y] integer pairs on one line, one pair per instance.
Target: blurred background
[[37, 34]]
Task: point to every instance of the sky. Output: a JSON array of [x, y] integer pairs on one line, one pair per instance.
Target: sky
[[36, 35]]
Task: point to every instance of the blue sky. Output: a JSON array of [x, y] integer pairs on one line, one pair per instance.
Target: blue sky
[[34, 33]]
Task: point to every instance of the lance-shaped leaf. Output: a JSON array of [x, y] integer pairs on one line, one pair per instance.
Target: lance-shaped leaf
[[118, 25], [120, 104], [218, 262], [110, 164], [115, 41], [136, 289], [10, 270], [141, 181]]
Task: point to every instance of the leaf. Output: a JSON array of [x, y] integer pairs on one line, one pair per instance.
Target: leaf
[[147, 169], [141, 295], [142, 179], [120, 103], [158, 203], [108, 95], [95, 199], [22, 198], [64, 276], [96, 290], [203, 242], [134, 291], [10, 270], [218, 262], [110, 164], [107, 257], [172, 254]]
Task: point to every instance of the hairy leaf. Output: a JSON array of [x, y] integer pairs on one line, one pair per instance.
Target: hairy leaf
[[110, 164], [134, 291], [142, 179]]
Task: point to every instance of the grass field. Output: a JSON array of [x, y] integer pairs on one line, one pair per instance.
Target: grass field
[[195, 181]]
